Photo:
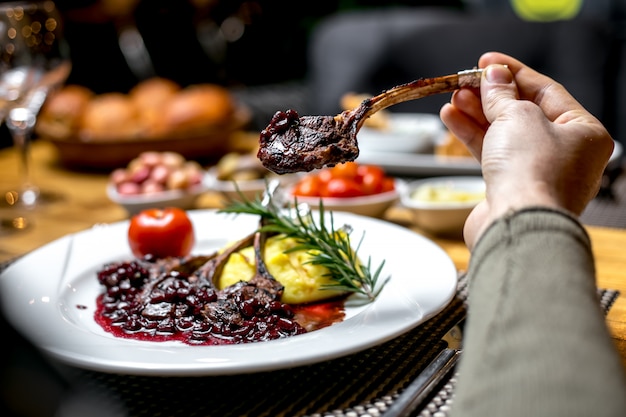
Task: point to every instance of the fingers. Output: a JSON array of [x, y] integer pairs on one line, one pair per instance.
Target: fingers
[[464, 117], [499, 91], [549, 95], [464, 128], [490, 58], [468, 118], [469, 100]]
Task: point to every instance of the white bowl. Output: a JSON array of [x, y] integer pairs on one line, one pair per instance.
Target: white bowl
[[407, 132], [184, 199], [372, 205], [232, 190], [450, 201]]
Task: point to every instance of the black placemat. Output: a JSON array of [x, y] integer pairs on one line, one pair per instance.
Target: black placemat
[[359, 385], [338, 384]]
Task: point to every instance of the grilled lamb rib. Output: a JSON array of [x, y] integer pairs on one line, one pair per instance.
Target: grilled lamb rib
[[291, 143]]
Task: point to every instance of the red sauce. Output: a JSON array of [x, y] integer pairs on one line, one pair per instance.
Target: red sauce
[[173, 311], [319, 315]]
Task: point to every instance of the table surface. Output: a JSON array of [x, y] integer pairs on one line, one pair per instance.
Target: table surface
[[83, 202]]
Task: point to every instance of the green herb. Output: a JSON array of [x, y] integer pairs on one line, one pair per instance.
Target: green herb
[[327, 246]]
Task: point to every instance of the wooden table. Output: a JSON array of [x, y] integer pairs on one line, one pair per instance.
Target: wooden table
[[83, 203]]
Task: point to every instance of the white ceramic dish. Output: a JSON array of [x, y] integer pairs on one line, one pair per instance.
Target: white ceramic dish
[[420, 164], [443, 217], [427, 164], [372, 205], [50, 296], [133, 204], [407, 132], [249, 189]]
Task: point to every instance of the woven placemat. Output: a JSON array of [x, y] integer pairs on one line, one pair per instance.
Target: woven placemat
[[359, 385]]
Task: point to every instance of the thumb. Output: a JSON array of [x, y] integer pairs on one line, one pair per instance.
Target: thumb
[[497, 89]]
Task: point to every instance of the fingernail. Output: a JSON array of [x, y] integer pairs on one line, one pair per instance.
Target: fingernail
[[498, 74]]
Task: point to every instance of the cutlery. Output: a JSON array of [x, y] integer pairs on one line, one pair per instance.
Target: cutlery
[[422, 386]]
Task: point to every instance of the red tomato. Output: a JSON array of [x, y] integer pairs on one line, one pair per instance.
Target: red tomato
[[161, 233], [388, 185], [341, 188], [345, 170], [364, 170], [309, 186], [325, 175], [371, 178]]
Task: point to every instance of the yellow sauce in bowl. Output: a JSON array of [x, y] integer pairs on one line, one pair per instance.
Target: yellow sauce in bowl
[[446, 193]]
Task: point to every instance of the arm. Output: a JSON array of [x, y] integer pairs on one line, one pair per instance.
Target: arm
[[536, 341]]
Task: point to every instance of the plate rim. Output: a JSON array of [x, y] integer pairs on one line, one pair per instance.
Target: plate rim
[[429, 164]]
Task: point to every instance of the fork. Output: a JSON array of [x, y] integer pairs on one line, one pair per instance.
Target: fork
[[422, 386]]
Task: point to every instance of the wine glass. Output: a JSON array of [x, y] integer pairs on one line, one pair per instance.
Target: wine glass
[[34, 61]]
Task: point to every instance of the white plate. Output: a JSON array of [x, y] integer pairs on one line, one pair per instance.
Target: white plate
[[406, 132], [407, 147], [422, 164], [50, 296]]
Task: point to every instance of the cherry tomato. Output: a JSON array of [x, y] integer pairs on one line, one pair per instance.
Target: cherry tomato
[[364, 170], [349, 179], [341, 188], [324, 175], [388, 185], [371, 178], [345, 170], [161, 233], [309, 186]]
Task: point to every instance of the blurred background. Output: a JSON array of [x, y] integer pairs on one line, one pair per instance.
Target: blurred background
[[273, 55]]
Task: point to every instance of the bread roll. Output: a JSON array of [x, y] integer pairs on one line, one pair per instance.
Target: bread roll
[[150, 97], [62, 112], [153, 109], [198, 107], [153, 92], [111, 116]]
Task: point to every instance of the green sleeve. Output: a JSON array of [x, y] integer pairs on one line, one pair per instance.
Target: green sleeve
[[536, 339]]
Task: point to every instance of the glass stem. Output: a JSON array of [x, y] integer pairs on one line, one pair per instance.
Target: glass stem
[[21, 122]]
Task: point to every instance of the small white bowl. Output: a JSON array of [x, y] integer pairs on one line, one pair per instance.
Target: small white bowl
[[407, 132], [232, 190], [444, 204], [372, 205], [184, 199]]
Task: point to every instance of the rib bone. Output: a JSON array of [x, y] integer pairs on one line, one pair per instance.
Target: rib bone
[[291, 143]]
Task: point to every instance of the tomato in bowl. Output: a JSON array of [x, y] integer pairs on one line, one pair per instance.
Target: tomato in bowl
[[353, 187]]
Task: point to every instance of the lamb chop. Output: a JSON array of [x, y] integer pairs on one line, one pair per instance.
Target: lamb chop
[[182, 294], [261, 290], [291, 143]]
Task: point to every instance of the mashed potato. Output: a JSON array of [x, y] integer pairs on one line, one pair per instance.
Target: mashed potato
[[302, 281]]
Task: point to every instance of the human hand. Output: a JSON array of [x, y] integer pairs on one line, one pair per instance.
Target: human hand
[[537, 145]]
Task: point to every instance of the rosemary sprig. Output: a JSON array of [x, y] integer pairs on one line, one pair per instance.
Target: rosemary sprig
[[327, 245]]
